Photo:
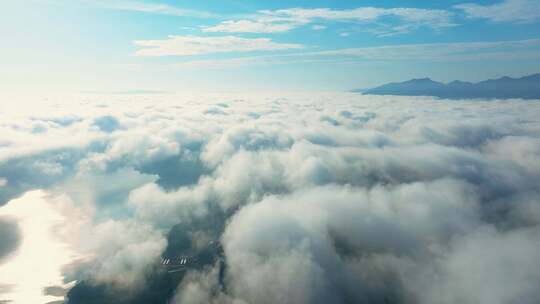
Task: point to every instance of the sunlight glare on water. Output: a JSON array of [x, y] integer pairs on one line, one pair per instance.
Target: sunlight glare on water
[[38, 261]]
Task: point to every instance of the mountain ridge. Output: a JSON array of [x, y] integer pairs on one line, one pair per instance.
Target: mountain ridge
[[526, 87]]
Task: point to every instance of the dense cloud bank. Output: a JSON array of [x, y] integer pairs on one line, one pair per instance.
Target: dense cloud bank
[[327, 199]]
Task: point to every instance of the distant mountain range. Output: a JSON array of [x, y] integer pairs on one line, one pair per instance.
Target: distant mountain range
[[527, 87]]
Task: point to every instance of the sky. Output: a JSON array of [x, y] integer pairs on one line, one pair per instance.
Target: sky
[[145, 46]]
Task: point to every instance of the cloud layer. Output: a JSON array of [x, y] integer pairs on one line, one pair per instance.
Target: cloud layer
[[197, 45], [516, 11], [426, 52], [283, 20], [328, 198]]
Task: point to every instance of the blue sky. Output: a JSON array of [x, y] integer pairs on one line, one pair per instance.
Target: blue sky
[[124, 45]]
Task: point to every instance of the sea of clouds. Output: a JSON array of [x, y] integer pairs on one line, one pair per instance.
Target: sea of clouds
[[322, 198]]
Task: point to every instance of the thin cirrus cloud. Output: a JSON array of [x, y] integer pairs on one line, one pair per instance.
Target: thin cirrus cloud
[[249, 26], [283, 20], [147, 7], [198, 45], [441, 52], [436, 51], [516, 11]]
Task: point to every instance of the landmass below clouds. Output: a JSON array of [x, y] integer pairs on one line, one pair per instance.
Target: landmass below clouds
[[527, 87]]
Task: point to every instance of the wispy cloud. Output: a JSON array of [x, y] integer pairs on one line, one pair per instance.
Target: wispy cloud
[[442, 52], [138, 6], [262, 60], [283, 20], [318, 27], [249, 26], [224, 63], [436, 51], [517, 11], [197, 45]]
